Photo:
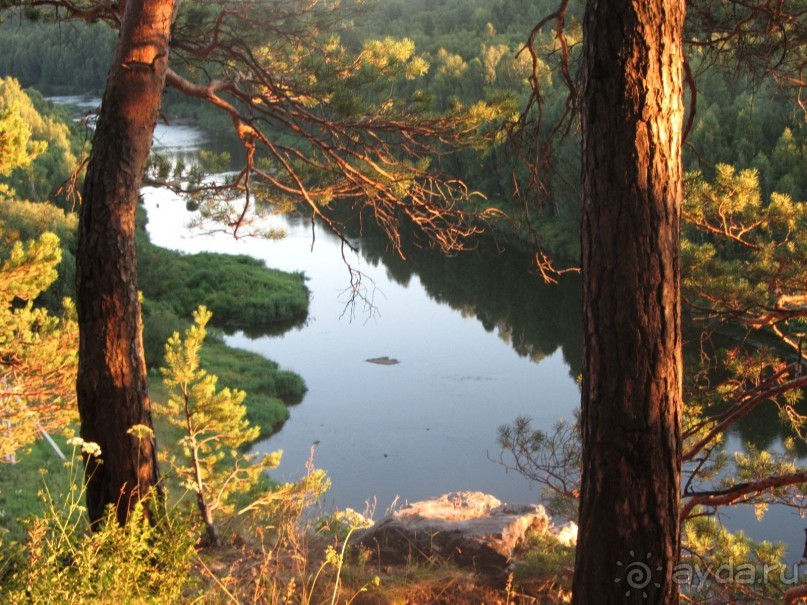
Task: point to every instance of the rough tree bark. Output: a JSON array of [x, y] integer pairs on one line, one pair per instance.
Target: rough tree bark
[[112, 390], [632, 129]]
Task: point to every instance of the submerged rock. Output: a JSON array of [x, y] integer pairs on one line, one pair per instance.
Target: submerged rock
[[469, 528], [383, 361]]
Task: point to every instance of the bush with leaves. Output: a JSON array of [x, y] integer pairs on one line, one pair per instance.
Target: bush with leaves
[[37, 142], [63, 561]]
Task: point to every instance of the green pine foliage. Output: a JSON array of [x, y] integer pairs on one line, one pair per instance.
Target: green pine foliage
[[38, 349], [23, 221], [744, 254], [719, 566], [270, 390], [213, 424], [17, 150], [46, 138]]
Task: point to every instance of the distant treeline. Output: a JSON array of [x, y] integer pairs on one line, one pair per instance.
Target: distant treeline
[[474, 51], [56, 59]]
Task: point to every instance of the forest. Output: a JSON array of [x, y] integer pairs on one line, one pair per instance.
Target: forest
[[678, 200]]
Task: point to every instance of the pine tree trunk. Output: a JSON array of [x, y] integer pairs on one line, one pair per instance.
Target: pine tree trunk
[[210, 527], [112, 389], [632, 122], [201, 501]]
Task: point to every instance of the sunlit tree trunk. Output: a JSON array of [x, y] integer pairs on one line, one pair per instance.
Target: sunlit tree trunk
[[632, 123], [112, 390]]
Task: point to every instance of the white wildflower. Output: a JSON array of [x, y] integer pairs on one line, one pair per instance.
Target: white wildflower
[[87, 447], [141, 431]]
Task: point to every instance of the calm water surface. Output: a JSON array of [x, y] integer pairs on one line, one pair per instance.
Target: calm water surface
[[478, 339], [416, 429]]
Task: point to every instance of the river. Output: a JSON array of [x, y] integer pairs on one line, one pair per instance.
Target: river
[[478, 340], [415, 429]]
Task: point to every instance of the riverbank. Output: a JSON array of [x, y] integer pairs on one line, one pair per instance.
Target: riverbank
[[426, 425], [243, 294], [173, 285]]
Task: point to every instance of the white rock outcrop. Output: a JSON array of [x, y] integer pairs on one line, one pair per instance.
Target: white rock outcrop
[[469, 528]]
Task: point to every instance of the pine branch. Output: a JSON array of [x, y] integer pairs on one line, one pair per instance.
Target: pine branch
[[741, 491]]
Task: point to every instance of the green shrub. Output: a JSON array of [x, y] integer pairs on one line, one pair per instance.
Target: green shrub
[[159, 323], [62, 561], [269, 389], [241, 291]]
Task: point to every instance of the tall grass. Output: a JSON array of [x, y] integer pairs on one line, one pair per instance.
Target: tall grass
[[277, 549], [63, 561]]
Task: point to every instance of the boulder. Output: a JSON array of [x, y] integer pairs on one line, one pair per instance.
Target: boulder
[[468, 528], [383, 361]]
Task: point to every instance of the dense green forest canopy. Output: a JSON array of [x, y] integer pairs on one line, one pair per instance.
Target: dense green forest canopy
[[475, 50], [66, 60]]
